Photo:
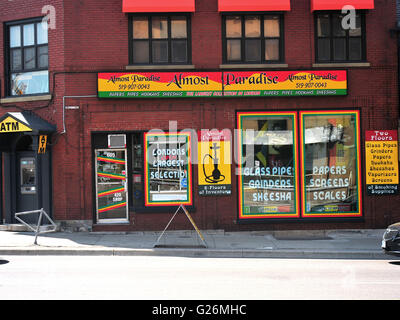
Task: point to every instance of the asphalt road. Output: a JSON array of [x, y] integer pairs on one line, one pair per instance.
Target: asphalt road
[[177, 278]]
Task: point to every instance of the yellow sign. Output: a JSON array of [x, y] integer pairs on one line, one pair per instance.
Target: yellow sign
[[381, 158], [11, 125], [42, 144], [382, 162], [214, 163]]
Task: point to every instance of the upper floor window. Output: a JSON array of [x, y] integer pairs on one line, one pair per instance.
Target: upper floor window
[[160, 40], [337, 42], [27, 58], [253, 38]]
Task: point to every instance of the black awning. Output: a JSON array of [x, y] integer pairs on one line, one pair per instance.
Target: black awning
[[15, 124], [25, 121]]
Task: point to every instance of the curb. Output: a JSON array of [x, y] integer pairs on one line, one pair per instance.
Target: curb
[[199, 253]]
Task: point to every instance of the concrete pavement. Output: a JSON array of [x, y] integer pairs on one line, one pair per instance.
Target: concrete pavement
[[332, 244]]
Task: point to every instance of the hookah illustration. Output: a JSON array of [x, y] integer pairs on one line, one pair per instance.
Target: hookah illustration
[[216, 175]]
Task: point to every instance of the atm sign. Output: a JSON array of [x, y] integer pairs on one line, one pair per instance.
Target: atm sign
[[11, 125]]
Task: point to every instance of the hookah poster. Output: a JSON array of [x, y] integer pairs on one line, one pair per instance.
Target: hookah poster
[[214, 163]]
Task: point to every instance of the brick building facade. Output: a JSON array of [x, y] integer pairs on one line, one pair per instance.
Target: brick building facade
[[87, 39]]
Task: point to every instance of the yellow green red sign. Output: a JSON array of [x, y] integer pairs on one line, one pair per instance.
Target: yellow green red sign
[[222, 84]]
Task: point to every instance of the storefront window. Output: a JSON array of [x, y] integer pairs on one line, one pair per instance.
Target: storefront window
[[330, 161], [168, 177], [331, 164], [267, 165]]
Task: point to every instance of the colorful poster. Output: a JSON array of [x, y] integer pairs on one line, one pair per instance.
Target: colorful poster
[[381, 162], [222, 84], [168, 169], [214, 162]]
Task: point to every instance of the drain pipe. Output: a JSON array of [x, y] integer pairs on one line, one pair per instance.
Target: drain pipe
[[81, 182], [71, 107], [398, 79], [396, 33]]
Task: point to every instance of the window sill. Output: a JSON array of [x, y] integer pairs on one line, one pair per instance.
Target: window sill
[[162, 67], [26, 99], [156, 209], [342, 65], [114, 222], [254, 66]]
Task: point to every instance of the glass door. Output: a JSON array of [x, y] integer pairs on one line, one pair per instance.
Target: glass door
[[111, 186]]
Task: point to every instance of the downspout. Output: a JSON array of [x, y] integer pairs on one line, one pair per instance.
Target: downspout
[[81, 143], [398, 78], [396, 32]]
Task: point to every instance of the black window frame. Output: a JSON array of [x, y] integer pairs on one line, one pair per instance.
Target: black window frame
[[8, 71], [347, 37], [168, 15], [262, 38]]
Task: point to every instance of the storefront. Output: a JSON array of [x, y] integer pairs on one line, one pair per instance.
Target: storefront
[[140, 172], [290, 165], [254, 116]]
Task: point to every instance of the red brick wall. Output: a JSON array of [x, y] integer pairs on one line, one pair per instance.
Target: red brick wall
[[93, 36]]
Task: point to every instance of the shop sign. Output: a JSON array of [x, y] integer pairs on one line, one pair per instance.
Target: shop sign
[[284, 83], [42, 144], [159, 85], [382, 165], [222, 84], [10, 125], [214, 162]]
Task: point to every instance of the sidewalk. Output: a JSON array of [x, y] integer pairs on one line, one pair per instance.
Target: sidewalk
[[332, 244]]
